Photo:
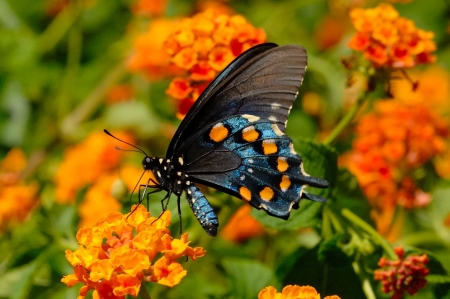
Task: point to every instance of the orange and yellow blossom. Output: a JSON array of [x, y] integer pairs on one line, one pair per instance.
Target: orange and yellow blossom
[[148, 55], [122, 251], [386, 39], [292, 292], [242, 226], [17, 198], [203, 46], [84, 163], [151, 8], [100, 200], [391, 142]]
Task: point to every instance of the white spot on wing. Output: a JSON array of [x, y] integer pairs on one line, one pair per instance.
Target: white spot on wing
[[251, 128], [273, 118], [276, 130], [250, 161], [291, 147], [275, 106], [242, 177], [250, 118], [180, 160], [302, 170], [161, 160], [250, 170]]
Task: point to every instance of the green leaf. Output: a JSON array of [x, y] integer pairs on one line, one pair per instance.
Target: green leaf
[[348, 194], [132, 115], [307, 215], [326, 279], [247, 277]]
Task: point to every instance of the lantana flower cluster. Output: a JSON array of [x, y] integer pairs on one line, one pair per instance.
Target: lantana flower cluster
[[386, 39], [391, 142], [17, 197], [203, 46], [83, 163], [95, 163], [148, 55], [292, 292], [121, 252], [405, 275]]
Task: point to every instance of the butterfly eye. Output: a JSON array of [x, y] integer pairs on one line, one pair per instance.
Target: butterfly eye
[[147, 163]]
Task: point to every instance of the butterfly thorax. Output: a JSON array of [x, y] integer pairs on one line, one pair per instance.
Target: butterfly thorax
[[169, 174]]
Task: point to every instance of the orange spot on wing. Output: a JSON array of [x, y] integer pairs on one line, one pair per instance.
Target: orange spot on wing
[[218, 133], [249, 134], [245, 193], [285, 183], [282, 165], [269, 147], [266, 193]]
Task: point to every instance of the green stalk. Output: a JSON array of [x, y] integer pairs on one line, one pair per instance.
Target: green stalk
[[344, 121], [58, 28], [366, 286], [349, 215], [92, 101]]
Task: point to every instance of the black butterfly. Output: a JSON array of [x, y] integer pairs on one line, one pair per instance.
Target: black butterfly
[[233, 138]]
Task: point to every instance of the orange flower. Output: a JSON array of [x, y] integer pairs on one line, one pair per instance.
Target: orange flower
[[329, 32], [242, 226], [204, 45], [151, 8], [292, 292], [118, 254], [148, 55], [119, 93], [386, 39], [390, 143], [84, 163], [17, 198], [98, 201]]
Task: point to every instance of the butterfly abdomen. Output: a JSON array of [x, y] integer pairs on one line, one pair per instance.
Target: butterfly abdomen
[[202, 209]]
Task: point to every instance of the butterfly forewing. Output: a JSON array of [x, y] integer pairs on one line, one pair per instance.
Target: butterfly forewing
[[262, 82]]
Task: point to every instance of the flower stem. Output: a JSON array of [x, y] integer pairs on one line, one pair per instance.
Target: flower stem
[[349, 215], [366, 286], [143, 292], [344, 121], [93, 100]]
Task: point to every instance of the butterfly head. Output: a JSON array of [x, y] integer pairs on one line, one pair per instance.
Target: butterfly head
[[149, 163]]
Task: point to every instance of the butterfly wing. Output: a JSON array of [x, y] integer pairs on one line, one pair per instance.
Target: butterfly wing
[[233, 138]]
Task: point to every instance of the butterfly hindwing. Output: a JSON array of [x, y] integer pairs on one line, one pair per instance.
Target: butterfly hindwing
[[263, 168]]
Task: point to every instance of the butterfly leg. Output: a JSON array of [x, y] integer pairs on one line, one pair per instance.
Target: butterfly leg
[[179, 215]]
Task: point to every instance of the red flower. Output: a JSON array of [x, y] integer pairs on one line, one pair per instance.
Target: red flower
[[402, 275]]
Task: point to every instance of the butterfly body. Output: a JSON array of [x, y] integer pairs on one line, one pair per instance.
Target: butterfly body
[[233, 138]]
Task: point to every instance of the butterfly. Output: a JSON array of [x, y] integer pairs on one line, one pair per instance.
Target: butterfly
[[233, 139]]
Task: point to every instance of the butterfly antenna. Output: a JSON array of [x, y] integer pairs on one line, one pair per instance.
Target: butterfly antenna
[[138, 149]]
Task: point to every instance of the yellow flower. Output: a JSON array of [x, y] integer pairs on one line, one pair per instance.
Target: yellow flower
[[122, 251], [292, 292]]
